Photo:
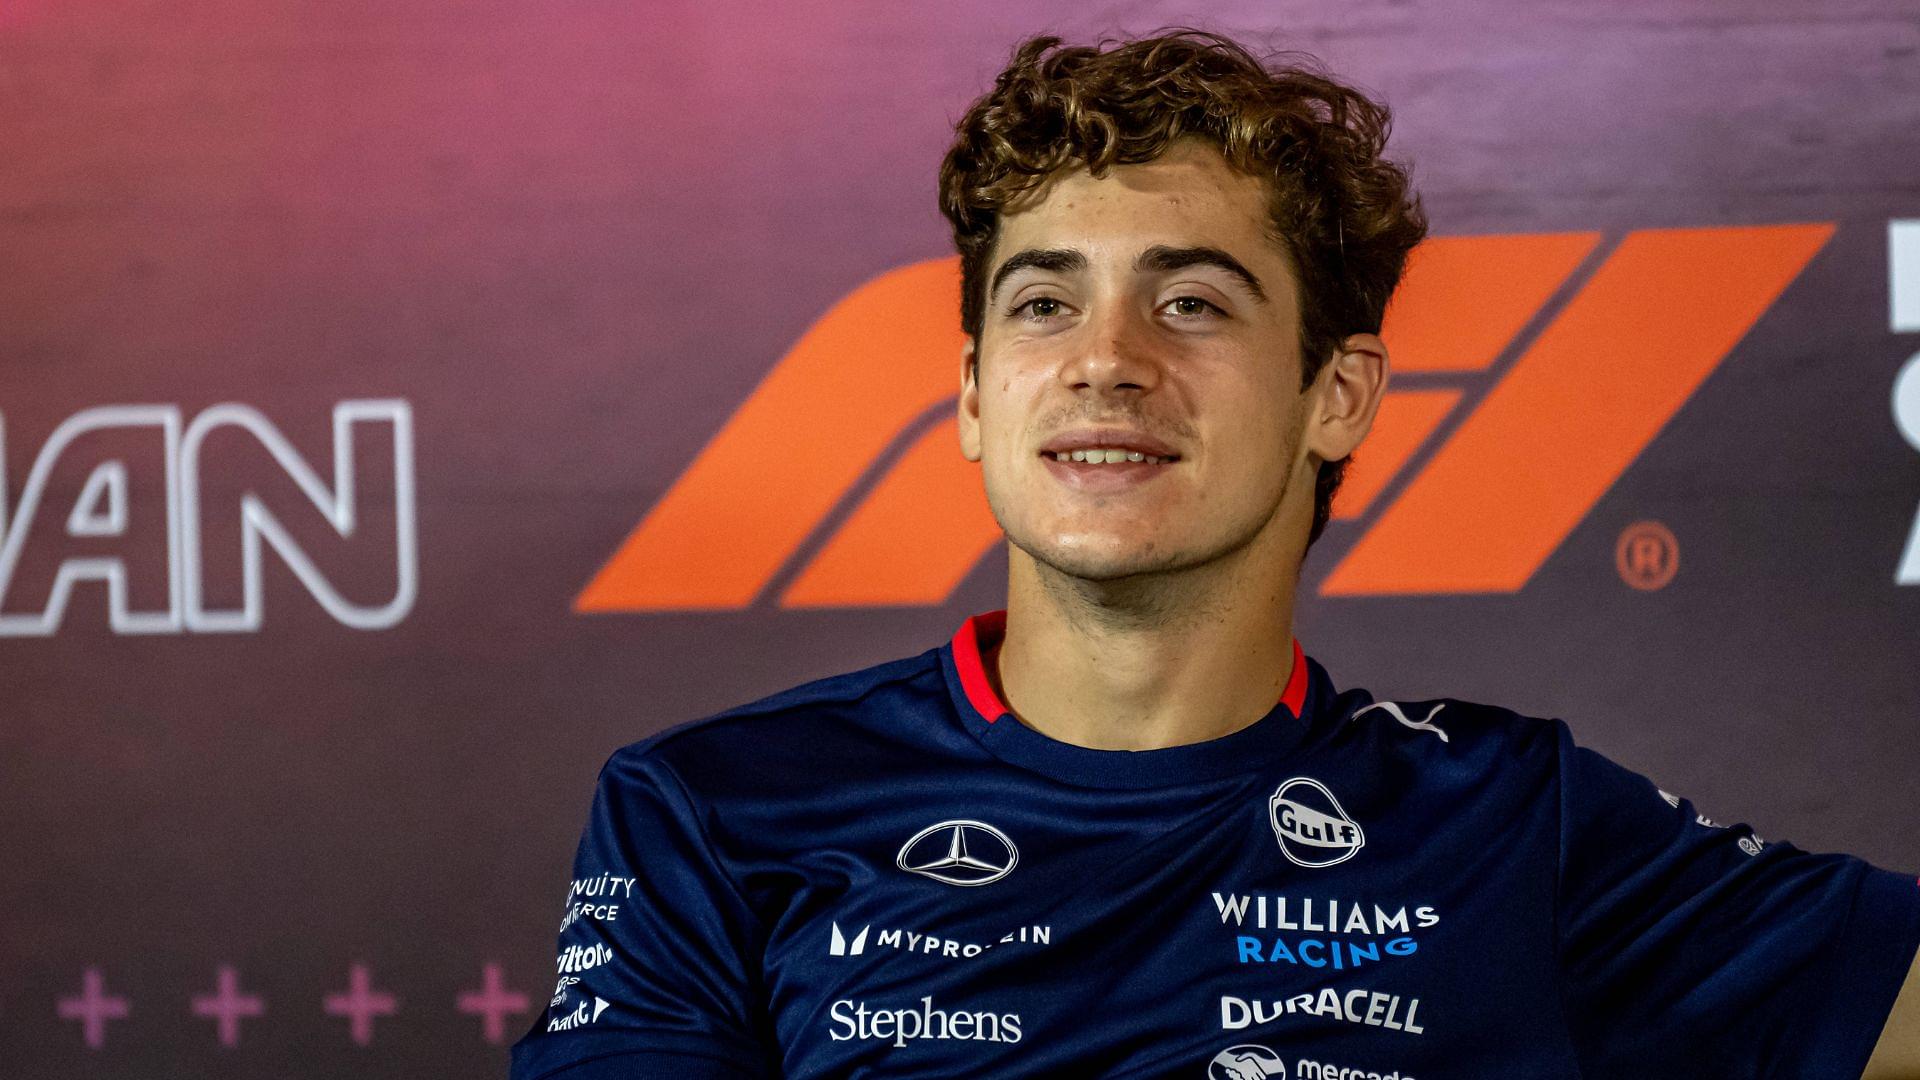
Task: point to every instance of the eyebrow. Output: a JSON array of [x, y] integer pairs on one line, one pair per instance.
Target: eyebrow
[[1159, 259], [1166, 260], [1058, 260]]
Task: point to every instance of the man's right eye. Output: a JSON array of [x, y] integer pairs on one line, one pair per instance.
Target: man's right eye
[[1038, 309]]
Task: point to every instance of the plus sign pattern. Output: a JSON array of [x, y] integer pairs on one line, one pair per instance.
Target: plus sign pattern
[[360, 1004], [93, 1007], [343, 345], [494, 1002], [228, 1006]]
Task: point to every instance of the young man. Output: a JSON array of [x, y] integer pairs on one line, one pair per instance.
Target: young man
[[1125, 827]]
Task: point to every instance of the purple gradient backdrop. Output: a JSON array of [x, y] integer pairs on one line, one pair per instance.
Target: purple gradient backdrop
[[575, 236]]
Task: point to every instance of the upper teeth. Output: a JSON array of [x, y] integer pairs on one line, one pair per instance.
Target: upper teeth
[[1108, 457]]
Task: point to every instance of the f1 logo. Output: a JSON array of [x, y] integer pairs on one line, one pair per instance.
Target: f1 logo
[[1597, 349]]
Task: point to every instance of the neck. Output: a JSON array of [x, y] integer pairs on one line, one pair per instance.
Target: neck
[[1150, 661]]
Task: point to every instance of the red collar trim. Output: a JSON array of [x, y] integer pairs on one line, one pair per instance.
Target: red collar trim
[[1294, 697], [977, 632], [981, 632]]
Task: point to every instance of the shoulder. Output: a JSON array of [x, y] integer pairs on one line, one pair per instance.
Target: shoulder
[[1475, 769], [770, 738], [1453, 730]]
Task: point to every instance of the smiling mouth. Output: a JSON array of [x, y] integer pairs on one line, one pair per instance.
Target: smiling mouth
[[1097, 456]]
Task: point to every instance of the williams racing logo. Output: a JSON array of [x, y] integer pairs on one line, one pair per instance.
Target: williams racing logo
[[1312, 828]]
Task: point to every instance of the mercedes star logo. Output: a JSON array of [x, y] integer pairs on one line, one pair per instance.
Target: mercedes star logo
[[959, 853]]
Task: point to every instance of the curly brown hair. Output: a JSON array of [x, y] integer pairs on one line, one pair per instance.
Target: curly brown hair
[[1345, 217]]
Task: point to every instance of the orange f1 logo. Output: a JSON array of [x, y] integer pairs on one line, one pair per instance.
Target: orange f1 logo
[[1618, 350]]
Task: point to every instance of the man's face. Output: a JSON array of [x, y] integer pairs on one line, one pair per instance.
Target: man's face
[[1150, 305]]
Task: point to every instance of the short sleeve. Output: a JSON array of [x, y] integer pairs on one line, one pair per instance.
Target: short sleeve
[[652, 970], [1690, 948]]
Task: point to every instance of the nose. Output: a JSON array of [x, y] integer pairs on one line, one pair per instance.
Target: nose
[[1115, 353]]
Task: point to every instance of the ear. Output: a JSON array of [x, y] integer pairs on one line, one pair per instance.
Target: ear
[[969, 401], [1346, 395]]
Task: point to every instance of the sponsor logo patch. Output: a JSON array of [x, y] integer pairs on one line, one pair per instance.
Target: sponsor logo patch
[[1320, 1070], [1246, 1062], [1320, 932], [923, 944], [1368, 1007], [968, 853], [582, 958], [1312, 828], [586, 1012], [849, 1019]]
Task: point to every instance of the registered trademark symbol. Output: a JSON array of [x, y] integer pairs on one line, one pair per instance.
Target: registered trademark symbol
[[1647, 555]]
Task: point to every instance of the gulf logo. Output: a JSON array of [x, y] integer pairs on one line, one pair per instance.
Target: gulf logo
[[1312, 828]]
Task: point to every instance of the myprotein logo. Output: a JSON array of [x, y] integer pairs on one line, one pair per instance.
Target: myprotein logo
[[925, 944], [839, 946], [1312, 828], [1545, 364]]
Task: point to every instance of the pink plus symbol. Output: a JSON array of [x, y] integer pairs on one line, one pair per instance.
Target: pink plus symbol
[[361, 1004], [228, 1006], [492, 1002], [93, 1008]]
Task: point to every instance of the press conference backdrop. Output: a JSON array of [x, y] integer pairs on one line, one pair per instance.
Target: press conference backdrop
[[403, 405]]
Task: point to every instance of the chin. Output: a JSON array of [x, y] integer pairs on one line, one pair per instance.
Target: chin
[[1102, 558]]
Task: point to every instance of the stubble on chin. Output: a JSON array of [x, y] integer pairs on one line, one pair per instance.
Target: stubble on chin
[[1144, 577]]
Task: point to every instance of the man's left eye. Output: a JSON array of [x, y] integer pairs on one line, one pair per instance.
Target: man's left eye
[[1190, 305]]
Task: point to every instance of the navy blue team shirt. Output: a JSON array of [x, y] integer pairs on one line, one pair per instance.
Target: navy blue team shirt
[[884, 873]]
